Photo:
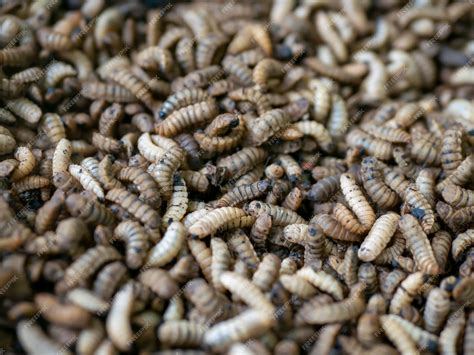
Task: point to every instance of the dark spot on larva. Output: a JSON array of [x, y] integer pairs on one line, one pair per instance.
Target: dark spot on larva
[[418, 212]]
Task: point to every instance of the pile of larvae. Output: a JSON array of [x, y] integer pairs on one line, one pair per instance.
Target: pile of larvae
[[225, 177]]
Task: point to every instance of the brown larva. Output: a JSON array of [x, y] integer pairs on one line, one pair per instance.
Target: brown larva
[[88, 210], [193, 115], [243, 193], [30, 182], [118, 319], [457, 196], [108, 279], [87, 181], [260, 230], [57, 312], [159, 281], [221, 260], [322, 281], [451, 149], [163, 171], [280, 216], [107, 144], [425, 149], [216, 145], [148, 149], [136, 239], [243, 249], [133, 205], [420, 207], [460, 176], [206, 300], [88, 263], [181, 333], [347, 219], [318, 132], [242, 161], [178, 203], [376, 147], [332, 228], [237, 68], [105, 174], [292, 169], [195, 180], [267, 73], [324, 189], [27, 162], [107, 91], [53, 41], [254, 96]]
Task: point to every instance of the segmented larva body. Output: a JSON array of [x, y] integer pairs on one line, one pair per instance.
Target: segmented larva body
[[183, 98], [394, 135], [436, 310], [425, 149], [375, 186], [280, 216], [181, 333], [323, 281], [193, 115], [248, 292], [406, 292], [160, 282], [177, 204], [405, 163], [92, 166], [34, 340], [241, 162], [332, 228], [441, 244], [110, 92], [234, 66], [106, 172], [30, 182], [48, 213], [425, 183], [338, 120], [88, 263], [148, 149], [108, 279], [378, 148], [453, 329], [317, 131], [457, 196], [398, 336], [379, 236], [167, 249], [63, 314], [460, 176], [292, 169], [296, 284], [396, 181], [221, 260], [241, 246], [345, 217], [87, 180], [163, 171], [260, 230], [210, 223], [259, 99], [118, 324], [206, 300], [267, 272], [462, 242], [293, 200], [324, 189], [130, 81], [136, 239], [266, 72], [243, 193], [420, 207], [248, 324], [57, 72], [451, 149], [107, 144], [265, 126], [195, 181], [25, 109], [27, 162], [217, 145]]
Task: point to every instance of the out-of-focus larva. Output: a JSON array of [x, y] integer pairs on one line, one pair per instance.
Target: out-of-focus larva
[[140, 210], [210, 223], [451, 149], [192, 115], [27, 162], [338, 120], [451, 333], [332, 228], [107, 144], [181, 333], [462, 242], [57, 72], [375, 186], [108, 279], [35, 341], [297, 285], [379, 236], [419, 207], [30, 182], [110, 92], [25, 109], [441, 244], [221, 260], [109, 119], [87, 180], [88, 263], [90, 211], [378, 148], [248, 324], [457, 196], [322, 281], [167, 249], [266, 72], [54, 41], [240, 244], [330, 36], [247, 292], [195, 180], [118, 319], [48, 213], [398, 335], [436, 310], [206, 300], [418, 244], [136, 240], [267, 272], [159, 281], [66, 314], [406, 292], [234, 66], [241, 162], [348, 308], [243, 193], [367, 274], [203, 256], [280, 216], [389, 134]]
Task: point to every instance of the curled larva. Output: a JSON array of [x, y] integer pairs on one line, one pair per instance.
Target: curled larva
[[379, 236], [324, 189], [234, 66], [267, 73], [178, 203], [148, 149], [182, 99], [458, 196], [406, 291], [88, 263], [398, 336], [462, 242], [267, 125], [192, 115], [460, 176], [88, 210], [248, 292], [106, 172], [323, 281], [136, 239], [87, 180], [297, 285], [345, 217], [167, 249], [118, 319], [57, 72], [248, 324], [259, 99], [130, 202], [292, 169], [27, 162], [92, 166], [216, 145], [332, 228], [317, 131], [35, 341], [54, 41], [163, 171], [243, 193], [280, 216], [294, 199], [107, 144], [324, 26], [418, 244]]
